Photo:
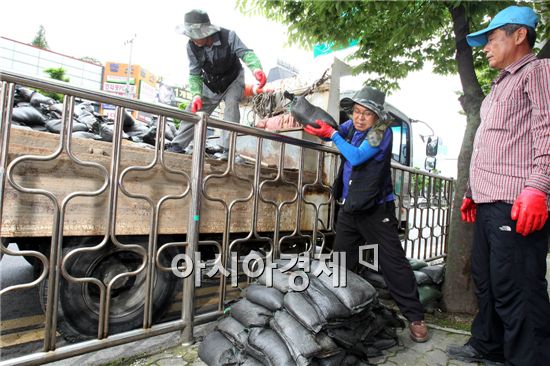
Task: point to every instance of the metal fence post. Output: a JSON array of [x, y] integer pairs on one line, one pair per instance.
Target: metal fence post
[[193, 227]]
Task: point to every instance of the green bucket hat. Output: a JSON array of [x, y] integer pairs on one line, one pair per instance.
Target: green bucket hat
[[197, 25]]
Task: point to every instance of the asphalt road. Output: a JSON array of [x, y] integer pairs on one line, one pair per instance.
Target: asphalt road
[[21, 316]]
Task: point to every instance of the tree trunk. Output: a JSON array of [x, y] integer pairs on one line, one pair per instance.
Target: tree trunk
[[458, 289]]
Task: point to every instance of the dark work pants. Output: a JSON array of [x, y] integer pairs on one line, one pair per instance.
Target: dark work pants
[[513, 322], [379, 226]]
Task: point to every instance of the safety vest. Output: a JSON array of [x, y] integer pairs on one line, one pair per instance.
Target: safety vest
[[370, 183], [225, 65]]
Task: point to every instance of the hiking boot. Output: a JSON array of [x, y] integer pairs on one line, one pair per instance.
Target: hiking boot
[[419, 331], [468, 353]]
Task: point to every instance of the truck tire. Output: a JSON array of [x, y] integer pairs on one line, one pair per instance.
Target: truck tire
[[39, 244], [78, 307]]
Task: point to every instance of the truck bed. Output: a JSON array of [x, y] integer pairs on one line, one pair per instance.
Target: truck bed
[[30, 215]]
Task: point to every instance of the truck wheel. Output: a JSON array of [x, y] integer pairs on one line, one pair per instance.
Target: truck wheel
[[78, 310]]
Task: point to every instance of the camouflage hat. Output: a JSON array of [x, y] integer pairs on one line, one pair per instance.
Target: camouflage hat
[[368, 97], [197, 25]]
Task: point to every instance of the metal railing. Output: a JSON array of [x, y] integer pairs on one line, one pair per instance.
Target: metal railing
[[227, 206]]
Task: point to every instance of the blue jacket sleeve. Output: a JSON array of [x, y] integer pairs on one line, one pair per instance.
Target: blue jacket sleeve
[[353, 154]]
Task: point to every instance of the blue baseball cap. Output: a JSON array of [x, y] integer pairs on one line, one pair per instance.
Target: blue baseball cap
[[523, 15]]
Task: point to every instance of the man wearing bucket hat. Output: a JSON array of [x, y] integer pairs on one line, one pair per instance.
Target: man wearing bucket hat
[[215, 73], [364, 192], [507, 199]]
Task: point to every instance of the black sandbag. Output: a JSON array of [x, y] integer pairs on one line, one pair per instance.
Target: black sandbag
[[334, 360], [268, 297], [328, 306], [249, 314], [234, 331], [435, 272], [216, 350], [306, 113], [128, 121], [86, 135], [416, 264], [29, 116], [23, 94], [57, 108], [38, 99], [384, 343], [298, 340], [106, 132], [422, 278], [139, 130], [83, 108], [375, 278], [54, 126], [247, 360], [41, 128], [266, 343], [89, 120], [280, 280], [298, 305], [428, 294], [356, 295]]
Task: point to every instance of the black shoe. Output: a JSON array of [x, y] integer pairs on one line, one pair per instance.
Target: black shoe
[[467, 353]]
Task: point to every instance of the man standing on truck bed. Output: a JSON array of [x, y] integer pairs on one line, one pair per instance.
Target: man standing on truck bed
[[507, 199], [364, 191], [215, 74]]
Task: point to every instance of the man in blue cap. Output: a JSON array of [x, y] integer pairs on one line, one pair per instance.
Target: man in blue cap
[[507, 199]]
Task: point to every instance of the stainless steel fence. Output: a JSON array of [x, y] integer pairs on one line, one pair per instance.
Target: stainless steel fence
[[110, 217]]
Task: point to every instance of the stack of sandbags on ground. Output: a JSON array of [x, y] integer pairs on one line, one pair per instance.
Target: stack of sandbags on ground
[[429, 279], [321, 325]]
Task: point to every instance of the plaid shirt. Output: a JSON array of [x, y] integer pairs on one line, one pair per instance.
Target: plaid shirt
[[512, 143]]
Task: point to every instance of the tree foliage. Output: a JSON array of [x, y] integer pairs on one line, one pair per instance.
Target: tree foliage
[[40, 38], [395, 38], [56, 73]]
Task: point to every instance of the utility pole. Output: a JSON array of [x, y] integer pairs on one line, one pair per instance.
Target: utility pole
[[131, 43]]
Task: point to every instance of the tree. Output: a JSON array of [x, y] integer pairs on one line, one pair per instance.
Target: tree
[[40, 38], [395, 38], [56, 74]]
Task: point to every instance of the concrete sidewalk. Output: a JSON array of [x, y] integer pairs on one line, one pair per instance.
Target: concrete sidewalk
[[431, 353], [407, 353]]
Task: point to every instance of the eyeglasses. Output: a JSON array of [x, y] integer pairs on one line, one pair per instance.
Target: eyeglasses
[[366, 113]]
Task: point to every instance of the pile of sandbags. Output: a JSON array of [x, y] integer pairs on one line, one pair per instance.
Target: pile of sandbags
[[38, 112], [321, 325], [429, 279]]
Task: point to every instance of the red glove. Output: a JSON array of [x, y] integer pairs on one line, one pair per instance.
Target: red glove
[[468, 210], [196, 104], [260, 76], [324, 131], [530, 211]]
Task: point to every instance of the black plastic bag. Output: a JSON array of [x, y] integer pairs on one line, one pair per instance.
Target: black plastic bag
[[267, 346], [216, 350], [298, 305], [250, 314], [435, 272], [306, 113], [29, 116], [356, 295], [268, 297], [422, 278], [234, 331]]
